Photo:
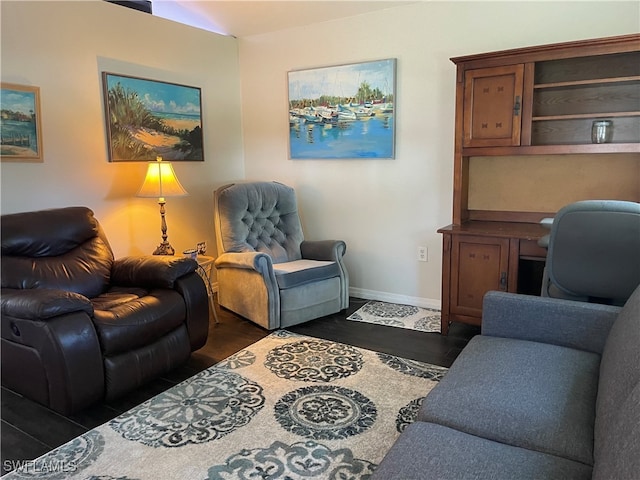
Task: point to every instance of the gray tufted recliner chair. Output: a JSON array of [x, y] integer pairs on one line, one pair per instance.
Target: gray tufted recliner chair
[[266, 271]]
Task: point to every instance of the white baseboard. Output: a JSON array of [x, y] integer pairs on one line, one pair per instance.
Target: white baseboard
[[395, 298]]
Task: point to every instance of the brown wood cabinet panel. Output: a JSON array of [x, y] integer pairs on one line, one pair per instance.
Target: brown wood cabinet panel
[[479, 264], [493, 106]]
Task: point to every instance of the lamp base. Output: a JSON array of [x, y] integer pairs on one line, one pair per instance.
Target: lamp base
[[164, 248]]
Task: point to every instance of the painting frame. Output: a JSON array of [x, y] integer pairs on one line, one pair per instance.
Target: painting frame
[[344, 111], [146, 119], [20, 115]]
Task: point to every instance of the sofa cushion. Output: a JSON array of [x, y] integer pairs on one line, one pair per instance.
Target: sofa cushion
[[298, 272], [429, 451], [619, 368], [126, 319], [526, 394]]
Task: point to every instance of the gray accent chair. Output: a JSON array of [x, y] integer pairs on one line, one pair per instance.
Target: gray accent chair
[[267, 272], [594, 252], [549, 390]]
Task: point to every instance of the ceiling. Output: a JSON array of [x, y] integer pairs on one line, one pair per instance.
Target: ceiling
[[242, 18]]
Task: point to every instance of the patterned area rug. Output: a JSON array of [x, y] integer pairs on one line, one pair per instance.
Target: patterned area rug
[[397, 315], [287, 407]]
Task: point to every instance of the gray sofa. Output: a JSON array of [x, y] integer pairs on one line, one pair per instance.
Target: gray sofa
[[549, 390]]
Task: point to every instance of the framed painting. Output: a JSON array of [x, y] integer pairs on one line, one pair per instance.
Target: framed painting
[[21, 137], [343, 111], [146, 119]]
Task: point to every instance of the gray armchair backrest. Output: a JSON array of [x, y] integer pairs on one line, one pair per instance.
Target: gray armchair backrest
[[261, 217], [594, 249]]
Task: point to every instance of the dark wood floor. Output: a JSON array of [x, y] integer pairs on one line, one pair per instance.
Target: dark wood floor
[[30, 430]]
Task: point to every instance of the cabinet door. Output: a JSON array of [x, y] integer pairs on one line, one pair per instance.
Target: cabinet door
[[492, 106], [480, 264]]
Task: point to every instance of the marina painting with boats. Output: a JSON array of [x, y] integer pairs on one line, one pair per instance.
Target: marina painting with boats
[[19, 123], [343, 112]]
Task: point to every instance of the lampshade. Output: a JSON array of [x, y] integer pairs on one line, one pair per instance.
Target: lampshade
[[161, 181]]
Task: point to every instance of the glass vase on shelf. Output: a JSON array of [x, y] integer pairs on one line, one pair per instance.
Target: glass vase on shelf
[[601, 131]]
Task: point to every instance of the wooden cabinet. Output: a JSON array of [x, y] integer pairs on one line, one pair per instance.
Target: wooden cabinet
[[543, 100], [492, 106], [481, 264], [532, 110], [483, 256], [563, 98]]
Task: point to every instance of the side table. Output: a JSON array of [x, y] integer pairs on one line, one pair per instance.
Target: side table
[[205, 267]]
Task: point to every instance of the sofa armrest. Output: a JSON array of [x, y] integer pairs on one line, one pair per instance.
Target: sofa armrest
[[580, 325], [323, 249], [260, 262], [42, 303], [55, 361], [196, 300], [332, 250], [151, 271]]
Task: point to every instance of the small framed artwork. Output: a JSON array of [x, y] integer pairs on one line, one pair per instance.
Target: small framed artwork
[[343, 111], [21, 137], [146, 119]]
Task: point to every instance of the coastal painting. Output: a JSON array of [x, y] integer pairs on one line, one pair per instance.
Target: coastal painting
[[146, 119], [343, 112], [20, 137]]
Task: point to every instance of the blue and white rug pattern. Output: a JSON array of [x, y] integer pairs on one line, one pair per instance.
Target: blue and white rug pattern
[[211, 405], [288, 407], [398, 315]]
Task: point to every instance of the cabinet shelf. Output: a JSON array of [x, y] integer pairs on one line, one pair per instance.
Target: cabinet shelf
[[587, 115], [596, 81], [587, 100]]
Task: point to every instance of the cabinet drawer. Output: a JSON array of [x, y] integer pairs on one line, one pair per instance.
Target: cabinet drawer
[[530, 248]]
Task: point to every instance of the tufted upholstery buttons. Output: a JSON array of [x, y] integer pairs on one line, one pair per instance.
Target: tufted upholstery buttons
[[265, 227], [263, 218]]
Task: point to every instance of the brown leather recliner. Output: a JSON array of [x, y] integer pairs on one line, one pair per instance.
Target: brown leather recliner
[[79, 326]]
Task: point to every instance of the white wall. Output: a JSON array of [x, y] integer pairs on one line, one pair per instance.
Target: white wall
[[385, 209], [62, 47]]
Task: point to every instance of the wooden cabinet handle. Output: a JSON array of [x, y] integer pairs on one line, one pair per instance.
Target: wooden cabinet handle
[[516, 107], [503, 281]]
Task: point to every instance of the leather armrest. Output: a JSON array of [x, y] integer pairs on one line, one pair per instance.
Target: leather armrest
[[42, 303], [323, 249], [158, 271], [193, 290]]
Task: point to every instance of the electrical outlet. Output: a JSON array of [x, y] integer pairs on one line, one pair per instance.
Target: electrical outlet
[[422, 254]]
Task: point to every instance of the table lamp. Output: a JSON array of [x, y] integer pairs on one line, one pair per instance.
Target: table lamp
[[161, 182]]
